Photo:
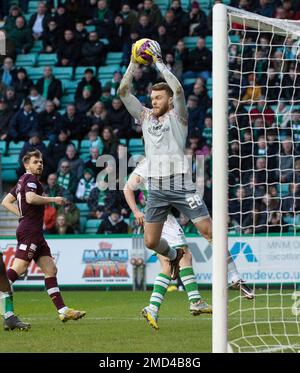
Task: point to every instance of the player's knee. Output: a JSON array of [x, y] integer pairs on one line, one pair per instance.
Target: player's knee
[[51, 271], [151, 243]]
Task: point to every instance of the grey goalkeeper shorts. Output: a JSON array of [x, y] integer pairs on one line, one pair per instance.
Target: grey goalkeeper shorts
[[185, 199]]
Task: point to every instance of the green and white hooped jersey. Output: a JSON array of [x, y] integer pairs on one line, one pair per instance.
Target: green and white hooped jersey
[[172, 231]]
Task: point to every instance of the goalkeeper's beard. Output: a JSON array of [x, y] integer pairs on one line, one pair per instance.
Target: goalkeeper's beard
[[159, 112]]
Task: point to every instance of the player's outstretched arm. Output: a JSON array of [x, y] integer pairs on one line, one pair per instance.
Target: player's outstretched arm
[[34, 199], [132, 184], [173, 82], [131, 103], [9, 203]]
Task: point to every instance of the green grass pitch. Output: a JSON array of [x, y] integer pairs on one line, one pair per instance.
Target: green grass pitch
[[113, 323]]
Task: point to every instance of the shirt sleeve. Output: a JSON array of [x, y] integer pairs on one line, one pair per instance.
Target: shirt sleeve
[[30, 185], [13, 191], [141, 169]]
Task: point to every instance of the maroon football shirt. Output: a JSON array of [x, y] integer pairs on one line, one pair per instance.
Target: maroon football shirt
[[32, 216]]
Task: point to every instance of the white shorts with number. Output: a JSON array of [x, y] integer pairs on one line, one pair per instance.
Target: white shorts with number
[[173, 233]]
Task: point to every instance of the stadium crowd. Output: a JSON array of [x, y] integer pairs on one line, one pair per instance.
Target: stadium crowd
[[33, 111]]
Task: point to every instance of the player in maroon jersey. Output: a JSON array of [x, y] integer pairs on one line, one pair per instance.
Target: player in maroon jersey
[[31, 242]]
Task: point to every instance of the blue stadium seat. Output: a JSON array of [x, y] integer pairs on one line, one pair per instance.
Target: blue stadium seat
[[24, 60], [63, 72], [67, 99], [190, 41], [189, 81], [92, 226], [14, 149], [82, 221], [2, 146], [90, 28], [46, 59], [69, 86], [32, 6], [79, 73], [85, 146], [35, 73], [208, 41], [114, 58], [84, 209], [107, 71], [136, 146], [9, 165], [37, 46]]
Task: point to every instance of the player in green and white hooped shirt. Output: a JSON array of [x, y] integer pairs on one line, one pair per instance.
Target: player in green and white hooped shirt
[[174, 235]]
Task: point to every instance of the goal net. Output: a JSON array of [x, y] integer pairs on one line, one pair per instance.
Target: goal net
[[263, 179]]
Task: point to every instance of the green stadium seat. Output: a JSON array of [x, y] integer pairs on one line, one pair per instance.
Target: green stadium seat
[[9, 165], [75, 143], [123, 141], [24, 60], [209, 83], [32, 6], [37, 46], [107, 71], [82, 222], [114, 58], [67, 99], [104, 41], [136, 146], [2, 146], [234, 39], [9, 176], [104, 82], [85, 146], [15, 149], [190, 41], [63, 72], [90, 28], [185, 4], [35, 73], [69, 86], [208, 41], [92, 226], [46, 142], [189, 81], [84, 209], [283, 190], [46, 59], [79, 73]]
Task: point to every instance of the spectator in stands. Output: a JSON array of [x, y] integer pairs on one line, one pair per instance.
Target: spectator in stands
[[119, 119], [181, 54], [197, 21], [22, 84], [23, 122], [85, 185], [265, 8], [62, 227], [94, 139], [145, 29], [72, 215], [12, 101], [49, 218], [8, 72], [74, 122], [207, 130], [37, 100], [50, 121], [133, 37], [291, 85], [109, 141], [97, 200], [199, 62], [173, 29], [10, 20], [51, 36], [91, 163], [98, 117], [53, 189], [113, 224], [66, 178], [129, 16], [63, 18], [34, 143], [163, 39], [264, 111], [81, 34], [102, 18], [239, 208], [194, 112], [106, 97], [175, 68], [139, 84], [57, 147], [293, 176], [181, 16], [76, 163], [86, 101], [5, 117], [21, 36], [39, 20], [152, 11], [68, 51], [50, 87], [89, 79], [253, 90], [92, 51], [118, 33], [286, 159]]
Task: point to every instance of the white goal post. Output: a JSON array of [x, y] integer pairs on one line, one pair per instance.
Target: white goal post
[[265, 335]]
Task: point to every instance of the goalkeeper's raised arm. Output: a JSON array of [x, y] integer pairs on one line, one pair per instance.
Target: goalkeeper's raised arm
[[178, 92], [131, 103]]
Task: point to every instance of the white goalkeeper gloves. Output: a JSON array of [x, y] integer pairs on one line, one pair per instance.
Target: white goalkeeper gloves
[[155, 50]]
